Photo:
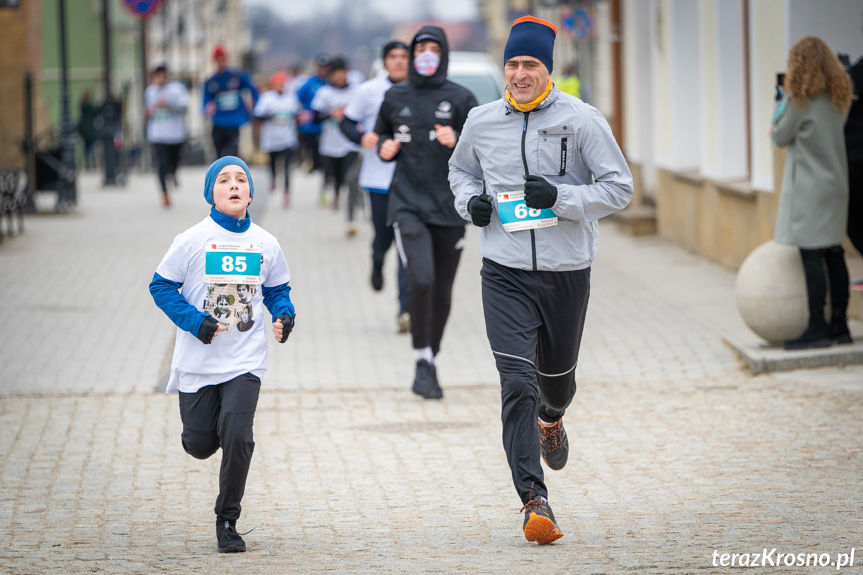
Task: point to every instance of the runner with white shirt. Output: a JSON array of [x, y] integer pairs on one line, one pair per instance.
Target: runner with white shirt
[[361, 114], [278, 110], [220, 356], [166, 104], [337, 152]]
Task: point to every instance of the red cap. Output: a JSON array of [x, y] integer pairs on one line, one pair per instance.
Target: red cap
[[219, 52], [278, 79]]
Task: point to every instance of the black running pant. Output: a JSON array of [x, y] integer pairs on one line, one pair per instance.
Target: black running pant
[[167, 158], [534, 322], [337, 169], [222, 416], [309, 144], [283, 157], [382, 241], [226, 141], [431, 255]]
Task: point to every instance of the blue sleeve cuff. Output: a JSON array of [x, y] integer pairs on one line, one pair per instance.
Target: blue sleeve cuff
[[278, 300], [166, 294]]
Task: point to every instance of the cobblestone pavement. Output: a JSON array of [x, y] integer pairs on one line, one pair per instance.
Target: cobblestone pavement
[[676, 451]]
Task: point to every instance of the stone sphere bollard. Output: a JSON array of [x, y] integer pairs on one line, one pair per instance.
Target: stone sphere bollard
[[771, 292]]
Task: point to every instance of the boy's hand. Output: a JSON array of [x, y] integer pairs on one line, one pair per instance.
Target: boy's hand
[[282, 327], [209, 329]]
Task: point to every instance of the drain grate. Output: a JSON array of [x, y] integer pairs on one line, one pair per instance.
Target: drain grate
[[414, 426]]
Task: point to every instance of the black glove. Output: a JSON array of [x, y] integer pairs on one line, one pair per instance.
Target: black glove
[[287, 326], [208, 329], [480, 210], [538, 193]]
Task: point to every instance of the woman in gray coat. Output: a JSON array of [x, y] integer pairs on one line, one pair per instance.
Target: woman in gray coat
[[813, 207]]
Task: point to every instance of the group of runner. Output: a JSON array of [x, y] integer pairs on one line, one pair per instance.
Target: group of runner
[[535, 170]]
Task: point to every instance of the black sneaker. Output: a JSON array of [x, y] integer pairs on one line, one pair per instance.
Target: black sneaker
[[229, 540], [377, 279], [425, 381], [553, 444], [817, 334], [539, 523], [839, 331]]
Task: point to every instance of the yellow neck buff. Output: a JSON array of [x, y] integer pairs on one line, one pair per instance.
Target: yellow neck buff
[[530, 105]]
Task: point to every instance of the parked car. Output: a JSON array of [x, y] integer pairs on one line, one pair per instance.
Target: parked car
[[476, 71]]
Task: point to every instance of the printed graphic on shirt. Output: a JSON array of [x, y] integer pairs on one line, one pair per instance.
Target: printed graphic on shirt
[[232, 272], [231, 305], [444, 111], [403, 134]]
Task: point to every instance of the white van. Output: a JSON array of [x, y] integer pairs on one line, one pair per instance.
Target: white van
[[476, 71]]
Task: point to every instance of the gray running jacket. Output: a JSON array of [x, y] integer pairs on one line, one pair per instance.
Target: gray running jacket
[[567, 142]]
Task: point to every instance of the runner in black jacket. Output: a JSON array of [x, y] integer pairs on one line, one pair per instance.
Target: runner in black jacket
[[418, 124]]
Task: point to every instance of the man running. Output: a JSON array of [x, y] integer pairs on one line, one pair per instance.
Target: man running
[[225, 95], [536, 170], [418, 126], [166, 125], [375, 174]]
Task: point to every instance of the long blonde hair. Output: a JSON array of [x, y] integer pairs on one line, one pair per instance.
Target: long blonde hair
[[814, 69]]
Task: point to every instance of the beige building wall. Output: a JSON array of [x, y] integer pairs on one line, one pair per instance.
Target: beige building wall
[[20, 51], [189, 56]]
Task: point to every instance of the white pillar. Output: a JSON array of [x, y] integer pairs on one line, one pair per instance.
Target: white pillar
[[721, 72], [768, 32], [637, 25], [676, 94]]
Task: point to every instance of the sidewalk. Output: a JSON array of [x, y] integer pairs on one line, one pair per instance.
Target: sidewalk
[[676, 449]]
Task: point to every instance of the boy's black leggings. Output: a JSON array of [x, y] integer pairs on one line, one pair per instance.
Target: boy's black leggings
[[222, 416]]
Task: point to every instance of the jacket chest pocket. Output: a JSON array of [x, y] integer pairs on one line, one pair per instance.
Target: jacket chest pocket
[[555, 149]]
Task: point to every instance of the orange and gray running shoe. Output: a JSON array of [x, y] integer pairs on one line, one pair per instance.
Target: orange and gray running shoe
[[539, 523], [553, 444]]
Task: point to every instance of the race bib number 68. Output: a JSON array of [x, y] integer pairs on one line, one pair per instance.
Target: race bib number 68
[[515, 215]]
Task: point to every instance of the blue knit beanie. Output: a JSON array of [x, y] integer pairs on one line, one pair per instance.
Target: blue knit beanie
[[531, 37], [214, 170]]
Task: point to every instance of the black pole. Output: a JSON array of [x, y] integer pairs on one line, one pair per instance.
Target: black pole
[[145, 149], [29, 144], [106, 46], [110, 108], [66, 196]]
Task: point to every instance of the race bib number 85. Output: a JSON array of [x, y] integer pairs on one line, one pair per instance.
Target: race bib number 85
[[233, 264]]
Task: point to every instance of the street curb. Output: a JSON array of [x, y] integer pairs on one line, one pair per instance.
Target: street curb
[[765, 358]]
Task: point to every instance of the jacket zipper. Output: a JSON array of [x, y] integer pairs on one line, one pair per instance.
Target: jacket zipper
[[526, 173]]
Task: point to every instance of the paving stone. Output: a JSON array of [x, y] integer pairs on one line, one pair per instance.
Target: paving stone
[[676, 449]]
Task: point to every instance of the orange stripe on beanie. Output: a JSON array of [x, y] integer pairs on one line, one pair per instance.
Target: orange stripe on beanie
[[538, 21], [534, 37]]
